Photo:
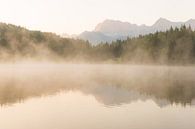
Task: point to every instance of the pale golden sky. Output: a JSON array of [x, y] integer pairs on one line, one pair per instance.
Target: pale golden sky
[[75, 16]]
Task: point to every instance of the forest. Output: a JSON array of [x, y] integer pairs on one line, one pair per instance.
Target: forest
[[175, 46]]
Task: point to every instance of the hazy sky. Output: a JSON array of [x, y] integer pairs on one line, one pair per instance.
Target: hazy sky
[[75, 16]]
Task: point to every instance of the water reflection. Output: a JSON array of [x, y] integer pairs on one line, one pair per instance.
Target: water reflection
[[111, 85]]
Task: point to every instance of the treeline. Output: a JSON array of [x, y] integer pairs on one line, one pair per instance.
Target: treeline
[[175, 46], [19, 43], [171, 47]]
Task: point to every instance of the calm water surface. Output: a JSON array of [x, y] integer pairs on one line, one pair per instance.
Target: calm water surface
[[49, 96]]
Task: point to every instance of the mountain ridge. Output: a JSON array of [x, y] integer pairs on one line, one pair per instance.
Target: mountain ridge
[[115, 29]]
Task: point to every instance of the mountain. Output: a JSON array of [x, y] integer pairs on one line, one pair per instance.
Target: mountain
[[96, 37], [191, 22], [163, 24], [115, 28], [65, 35], [111, 30]]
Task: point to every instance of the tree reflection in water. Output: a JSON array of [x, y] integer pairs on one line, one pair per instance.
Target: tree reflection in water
[[109, 84]]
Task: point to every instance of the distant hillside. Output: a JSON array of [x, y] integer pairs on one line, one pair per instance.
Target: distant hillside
[[121, 30], [96, 37], [17, 42], [175, 46]]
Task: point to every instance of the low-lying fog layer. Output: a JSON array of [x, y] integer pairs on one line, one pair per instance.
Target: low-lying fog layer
[[109, 84]]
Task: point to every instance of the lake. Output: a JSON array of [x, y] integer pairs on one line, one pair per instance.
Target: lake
[[104, 96]]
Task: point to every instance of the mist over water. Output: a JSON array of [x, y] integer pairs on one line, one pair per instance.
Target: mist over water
[[110, 84]]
